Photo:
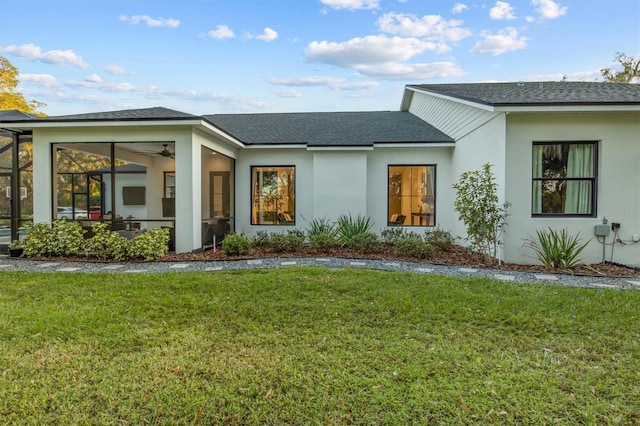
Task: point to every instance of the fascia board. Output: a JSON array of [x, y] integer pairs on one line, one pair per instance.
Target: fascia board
[[98, 123], [568, 108], [479, 105], [340, 148], [416, 145], [276, 146]]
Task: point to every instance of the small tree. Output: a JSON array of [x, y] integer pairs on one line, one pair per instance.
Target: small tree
[[479, 209]]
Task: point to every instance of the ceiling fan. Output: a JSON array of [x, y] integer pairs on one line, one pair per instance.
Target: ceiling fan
[[165, 152]]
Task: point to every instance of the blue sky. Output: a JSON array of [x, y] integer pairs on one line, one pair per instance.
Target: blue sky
[[243, 56]]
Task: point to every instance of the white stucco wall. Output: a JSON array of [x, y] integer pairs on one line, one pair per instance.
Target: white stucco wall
[[486, 144], [339, 184], [618, 194]]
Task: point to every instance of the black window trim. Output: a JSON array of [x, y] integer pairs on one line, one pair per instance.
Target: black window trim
[[435, 193], [295, 191], [593, 180]]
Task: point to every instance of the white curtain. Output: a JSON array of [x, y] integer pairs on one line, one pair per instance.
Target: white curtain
[[579, 165]]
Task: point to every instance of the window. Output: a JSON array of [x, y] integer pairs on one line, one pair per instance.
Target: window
[[411, 196], [564, 178], [273, 196], [169, 184]]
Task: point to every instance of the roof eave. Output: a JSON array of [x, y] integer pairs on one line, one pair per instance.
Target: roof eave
[[471, 102], [613, 107]]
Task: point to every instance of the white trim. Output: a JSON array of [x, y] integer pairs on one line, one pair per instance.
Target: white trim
[[99, 123], [340, 148], [415, 145], [454, 99], [277, 146], [569, 108]]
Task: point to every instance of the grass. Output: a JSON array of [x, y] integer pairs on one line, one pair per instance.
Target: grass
[[314, 346]]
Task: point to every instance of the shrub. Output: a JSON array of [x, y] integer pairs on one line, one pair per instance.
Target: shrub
[[477, 206], [236, 244], [556, 249], [322, 226], [391, 235], [412, 245], [149, 245], [324, 240], [261, 238], [440, 238], [348, 227], [289, 242], [62, 238], [107, 244], [366, 242]]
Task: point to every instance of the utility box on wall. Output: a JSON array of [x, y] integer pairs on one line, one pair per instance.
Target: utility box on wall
[[602, 230]]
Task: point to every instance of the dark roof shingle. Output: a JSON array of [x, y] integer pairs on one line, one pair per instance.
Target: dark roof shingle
[[328, 128], [540, 93]]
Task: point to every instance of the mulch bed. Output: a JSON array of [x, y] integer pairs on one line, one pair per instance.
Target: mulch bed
[[457, 255]]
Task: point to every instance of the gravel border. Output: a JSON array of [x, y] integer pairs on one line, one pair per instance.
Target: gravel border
[[21, 264]]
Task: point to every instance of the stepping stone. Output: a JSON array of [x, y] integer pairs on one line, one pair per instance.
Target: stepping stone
[[135, 271], [503, 277], [68, 269], [636, 283], [214, 268], [468, 270], [546, 277], [603, 285], [112, 267], [179, 266], [323, 259], [6, 266], [254, 262], [288, 263], [357, 263], [47, 265], [425, 270], [394, 264]]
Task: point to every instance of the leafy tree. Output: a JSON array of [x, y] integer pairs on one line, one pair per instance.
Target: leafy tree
[[479, 209], [9, 98], [630, 70]]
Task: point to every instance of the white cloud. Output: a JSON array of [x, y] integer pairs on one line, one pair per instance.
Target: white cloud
[[459, 8], [405, 71], [114, 69], [502, 10], [42, 80], [334, 83], [151, 22], [549, 9], [366, 50], [55, 57], [352, 4], [93, 78], [289, 93], [430, 26], [221, 32], [268, 35], [503, 41]]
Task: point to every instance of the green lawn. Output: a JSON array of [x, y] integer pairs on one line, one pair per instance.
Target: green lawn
[[314, 346]]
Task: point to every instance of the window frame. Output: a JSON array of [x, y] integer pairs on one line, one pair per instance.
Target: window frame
[[409, 218], [593, 180], [276, 222]]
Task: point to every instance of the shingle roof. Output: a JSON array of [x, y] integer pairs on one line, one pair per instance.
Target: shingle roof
[[540, 93], [328, 128], [14, 114], [156, 113]]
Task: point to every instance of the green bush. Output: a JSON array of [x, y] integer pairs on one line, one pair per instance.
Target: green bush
[[556, 249], [149, 245], [391, 235], [62, 238], [412, 245], [324, 240], [107, 244], [260, 239], [289, 242], [236, 245], [366, 243], [440, 238], [348, 227], [322, 226]]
